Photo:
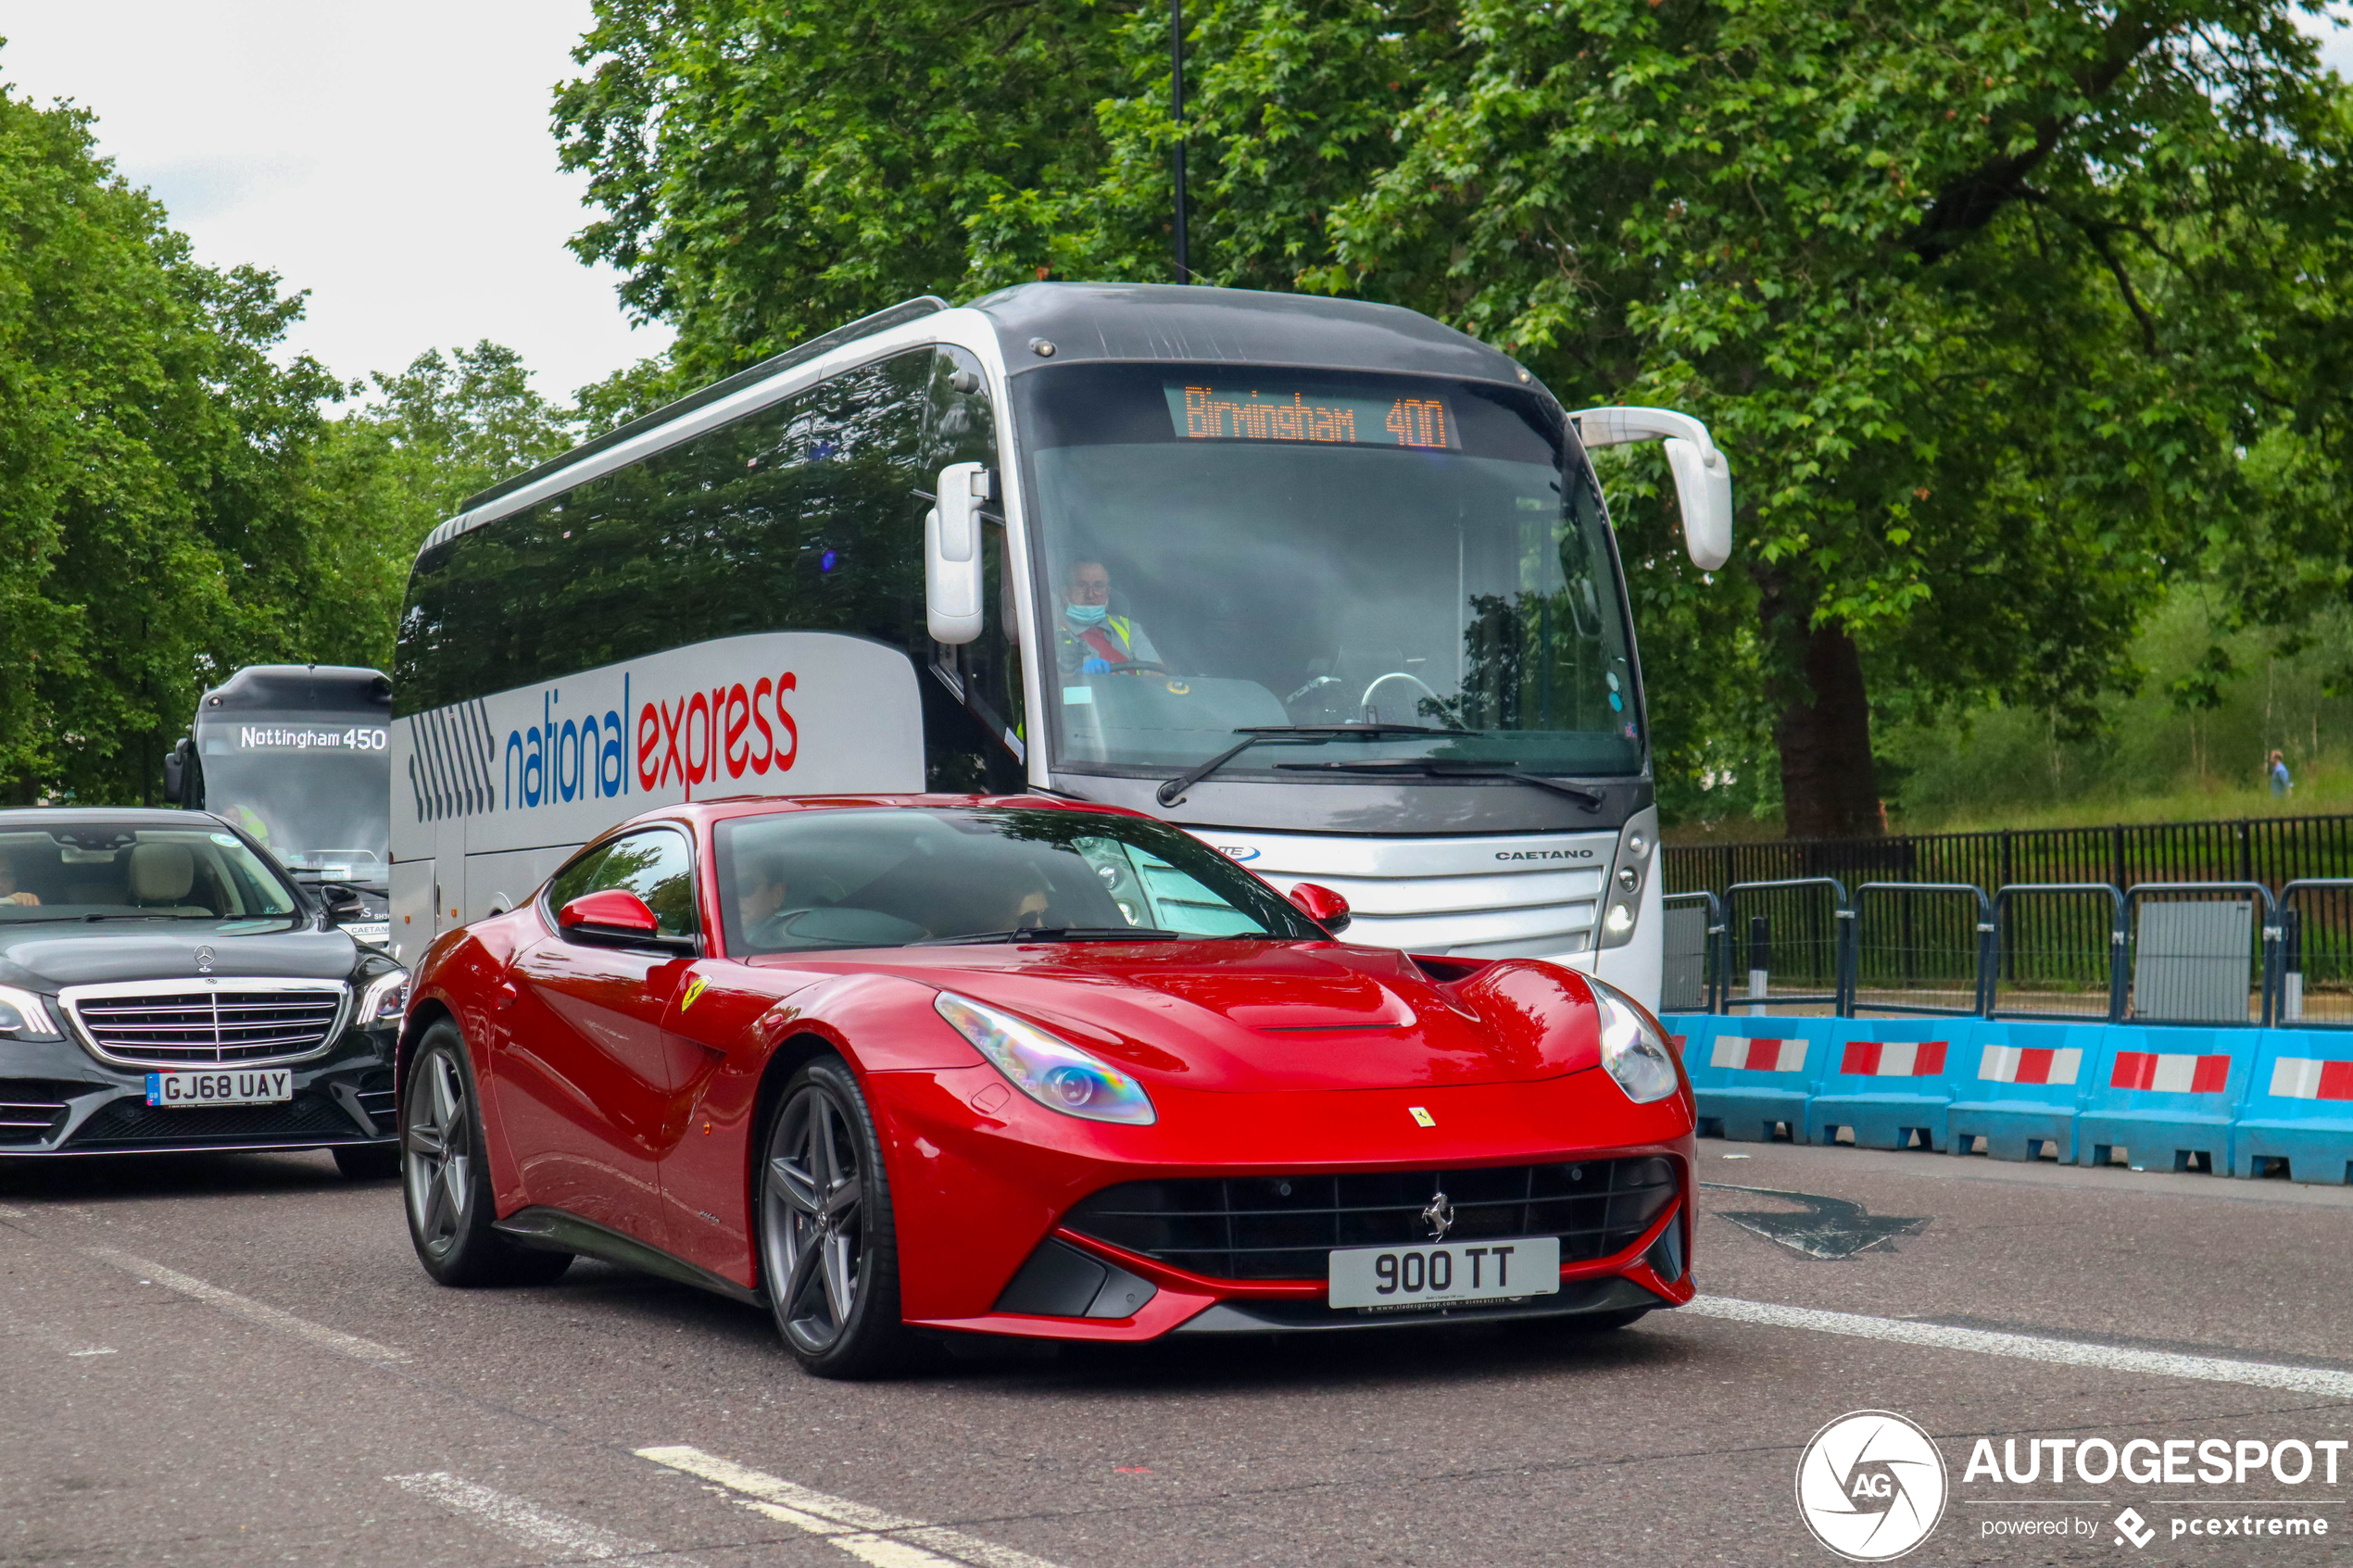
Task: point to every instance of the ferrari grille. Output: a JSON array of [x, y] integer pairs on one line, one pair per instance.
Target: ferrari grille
[[1280, 1227], [206, 1026]]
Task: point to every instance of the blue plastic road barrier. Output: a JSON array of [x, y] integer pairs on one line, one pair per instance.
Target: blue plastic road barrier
[[2166, 1096], [2017, 1086], [1748, 1073], [2298, 1107], [1886, 1078]]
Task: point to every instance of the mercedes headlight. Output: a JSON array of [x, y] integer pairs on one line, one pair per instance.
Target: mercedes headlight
[[386, 1000], [24, 1016], [1633, 1051], [1048, 1069]]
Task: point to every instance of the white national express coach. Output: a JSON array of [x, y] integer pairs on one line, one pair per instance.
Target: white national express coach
[[1326, 582]]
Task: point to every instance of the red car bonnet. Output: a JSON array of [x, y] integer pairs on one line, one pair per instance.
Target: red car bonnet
[[1239, 1015]]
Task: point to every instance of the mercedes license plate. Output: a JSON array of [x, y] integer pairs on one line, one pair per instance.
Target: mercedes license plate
[[253, 1086], [1439, 1274]]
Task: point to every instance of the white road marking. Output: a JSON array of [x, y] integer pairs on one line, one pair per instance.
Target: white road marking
[[871, 1536], [101, 1350], [526, 1521], [253, 1312], [2315, 1381]]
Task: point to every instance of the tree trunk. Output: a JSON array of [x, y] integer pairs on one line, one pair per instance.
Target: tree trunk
[[1830, 786]]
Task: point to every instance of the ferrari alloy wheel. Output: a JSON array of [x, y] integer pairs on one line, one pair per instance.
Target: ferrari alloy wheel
[[443, 1179], [826, 1244]]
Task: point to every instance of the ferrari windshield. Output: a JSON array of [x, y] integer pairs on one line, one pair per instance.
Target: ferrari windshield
[[314, 791], [812, 881], [1232, 549], [124, 871]]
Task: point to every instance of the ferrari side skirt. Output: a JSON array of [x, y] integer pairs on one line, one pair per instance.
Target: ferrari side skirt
[[559, 1230], [1577, 1297]]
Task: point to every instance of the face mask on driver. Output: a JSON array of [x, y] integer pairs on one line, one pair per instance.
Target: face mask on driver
[[1087, 615]]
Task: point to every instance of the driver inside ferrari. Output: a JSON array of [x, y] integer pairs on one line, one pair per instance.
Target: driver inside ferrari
[[1090, 640]]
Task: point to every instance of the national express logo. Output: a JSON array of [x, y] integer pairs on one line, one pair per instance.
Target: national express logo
[[690, 739], [586, 751], [1870, 1485]]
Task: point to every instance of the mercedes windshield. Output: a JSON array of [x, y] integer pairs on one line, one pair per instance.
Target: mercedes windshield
[[1331, 576]]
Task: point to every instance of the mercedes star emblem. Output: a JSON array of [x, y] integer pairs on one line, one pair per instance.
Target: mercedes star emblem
[[204, 960], [1439, 1217]]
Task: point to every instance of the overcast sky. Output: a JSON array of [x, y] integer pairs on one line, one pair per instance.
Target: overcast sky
[[395, 160]]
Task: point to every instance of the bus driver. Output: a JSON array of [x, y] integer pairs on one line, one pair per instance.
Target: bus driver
[[1090, 639]]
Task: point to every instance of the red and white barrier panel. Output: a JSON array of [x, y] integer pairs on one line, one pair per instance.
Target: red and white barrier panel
[[1894, 1058], [2029, 1064], [2303, 1078], [2169, 1073], [1758, 1055]]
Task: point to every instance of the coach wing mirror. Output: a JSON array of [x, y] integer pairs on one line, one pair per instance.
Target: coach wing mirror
[[951, 553], [615, 917], [1703, 477], [1323, 905]]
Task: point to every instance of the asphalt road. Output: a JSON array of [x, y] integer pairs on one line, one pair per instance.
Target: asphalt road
[[237, 1361]]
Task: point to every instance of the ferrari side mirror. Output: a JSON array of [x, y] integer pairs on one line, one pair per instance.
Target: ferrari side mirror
[[615, 917], [1323, 905]]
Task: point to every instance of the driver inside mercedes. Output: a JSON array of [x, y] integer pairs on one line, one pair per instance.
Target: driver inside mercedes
[[1089, 639]]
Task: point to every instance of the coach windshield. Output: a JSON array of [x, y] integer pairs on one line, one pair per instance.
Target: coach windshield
[[1232, 549]]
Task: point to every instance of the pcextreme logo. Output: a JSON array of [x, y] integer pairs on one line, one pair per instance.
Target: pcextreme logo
[[1871, 1486]]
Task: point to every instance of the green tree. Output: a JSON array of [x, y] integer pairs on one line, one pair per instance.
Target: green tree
[[394, 467], [769, 169], [152, 492]]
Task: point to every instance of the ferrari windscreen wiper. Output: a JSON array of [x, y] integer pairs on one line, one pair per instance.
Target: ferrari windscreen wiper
[[1439, 768], [1174, 790], [1057, 934]]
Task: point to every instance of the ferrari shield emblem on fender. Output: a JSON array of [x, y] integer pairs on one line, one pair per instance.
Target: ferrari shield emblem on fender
[[1421, 1118], [694, 987], [1438, 1216]]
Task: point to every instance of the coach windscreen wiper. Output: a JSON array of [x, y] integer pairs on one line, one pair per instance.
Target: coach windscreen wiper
[[1056, 934], [1174, 790], [1439, 768]]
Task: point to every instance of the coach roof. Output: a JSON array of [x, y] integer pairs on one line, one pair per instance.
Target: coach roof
[[1101, 323], [1170, 321]]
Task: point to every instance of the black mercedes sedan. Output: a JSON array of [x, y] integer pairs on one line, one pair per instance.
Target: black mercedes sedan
[[165, 987]]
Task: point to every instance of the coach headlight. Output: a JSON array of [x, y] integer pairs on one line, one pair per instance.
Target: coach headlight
[[24, 1016], [1633, 1051], [1048, 1069]]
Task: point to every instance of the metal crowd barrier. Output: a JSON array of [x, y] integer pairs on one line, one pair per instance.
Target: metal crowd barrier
[[2221, 954]]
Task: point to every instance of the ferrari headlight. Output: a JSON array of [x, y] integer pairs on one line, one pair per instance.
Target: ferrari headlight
[[24, 1016], [1050, 1071], [386, 998], [1633, 1051]]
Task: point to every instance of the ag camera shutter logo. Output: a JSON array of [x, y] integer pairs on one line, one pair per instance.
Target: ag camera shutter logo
[[1871, 1486]]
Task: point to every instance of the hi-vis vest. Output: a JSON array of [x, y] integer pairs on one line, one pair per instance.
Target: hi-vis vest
[[1099, 640]]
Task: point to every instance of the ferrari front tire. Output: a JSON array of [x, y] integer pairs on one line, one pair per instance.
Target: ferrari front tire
[[445, 1181], [828, 1247]]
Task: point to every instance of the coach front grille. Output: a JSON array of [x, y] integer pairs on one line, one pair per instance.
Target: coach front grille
[[208, 1023], [1281, 1227]]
